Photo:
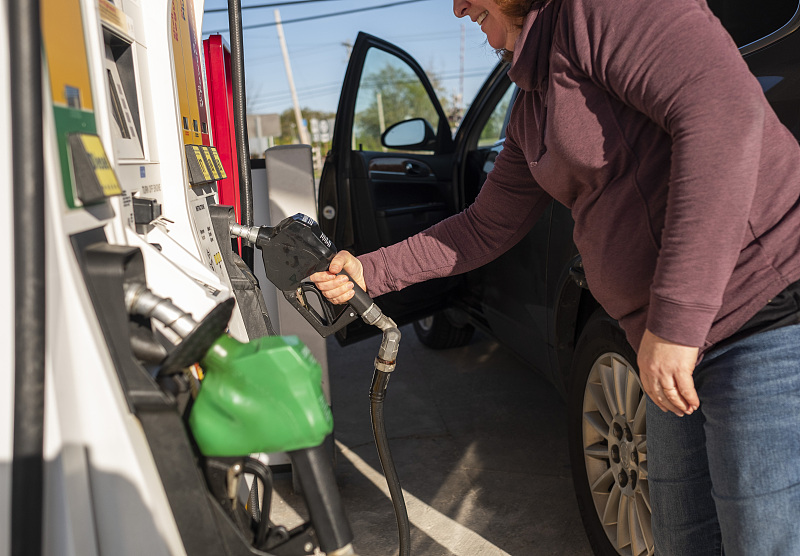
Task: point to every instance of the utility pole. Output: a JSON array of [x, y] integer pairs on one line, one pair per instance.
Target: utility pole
[[461, 74], [381, 119], [304, 138]]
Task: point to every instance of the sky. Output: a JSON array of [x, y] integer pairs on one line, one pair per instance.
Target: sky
[[318, 54]]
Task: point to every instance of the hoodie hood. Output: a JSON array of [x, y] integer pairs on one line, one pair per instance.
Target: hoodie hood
[[530, 64]]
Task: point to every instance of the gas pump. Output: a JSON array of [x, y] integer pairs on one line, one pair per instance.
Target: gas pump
[[132, 455], [148, 76]]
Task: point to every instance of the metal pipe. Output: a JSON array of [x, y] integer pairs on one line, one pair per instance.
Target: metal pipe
[[250, 233], [240, 123], [27, 465], [139, 300]]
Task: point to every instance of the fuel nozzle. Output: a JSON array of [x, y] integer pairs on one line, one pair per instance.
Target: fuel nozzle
[[261, 396], [291, 252]]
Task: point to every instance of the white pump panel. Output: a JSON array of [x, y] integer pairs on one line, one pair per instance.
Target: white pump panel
[[138, 73]]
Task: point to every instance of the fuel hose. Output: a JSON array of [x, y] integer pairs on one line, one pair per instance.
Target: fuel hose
[[384, 365], [240, 123], [377, 394]]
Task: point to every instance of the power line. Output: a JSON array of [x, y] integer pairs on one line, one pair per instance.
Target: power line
[[301, 19], [274, 5], [266, 99]]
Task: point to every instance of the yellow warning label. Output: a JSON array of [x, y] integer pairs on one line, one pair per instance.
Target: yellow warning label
[[199, 155], [218, 162], [102, 168], [210, 163], [217, 258]]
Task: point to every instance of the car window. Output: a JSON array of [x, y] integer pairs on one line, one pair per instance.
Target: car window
[[493, 129], [389, 92], [747, 21]]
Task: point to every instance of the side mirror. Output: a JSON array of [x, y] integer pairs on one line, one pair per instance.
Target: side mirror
[[412, 135]]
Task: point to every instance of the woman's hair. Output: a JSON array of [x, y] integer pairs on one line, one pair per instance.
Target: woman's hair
[[516, 10]]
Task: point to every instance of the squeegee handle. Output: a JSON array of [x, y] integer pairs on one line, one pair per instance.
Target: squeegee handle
[[361, 301]]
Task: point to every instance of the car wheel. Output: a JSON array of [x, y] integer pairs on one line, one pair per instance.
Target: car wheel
[[608, 441], [438, 332]]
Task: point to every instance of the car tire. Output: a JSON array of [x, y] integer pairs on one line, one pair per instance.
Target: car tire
[[608, 441], [438, 332]]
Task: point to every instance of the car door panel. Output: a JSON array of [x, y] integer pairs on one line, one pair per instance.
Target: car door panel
[[509, 291], [373, 196], [514, 295], [405, 194]]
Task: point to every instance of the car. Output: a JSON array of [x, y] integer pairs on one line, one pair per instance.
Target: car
[[395, 168]]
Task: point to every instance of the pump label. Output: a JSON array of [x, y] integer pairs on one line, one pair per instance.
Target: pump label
[[210, 163], [201, 162], [102, 168], [93, 177], [218, 162], [112, 16], [196, 163]]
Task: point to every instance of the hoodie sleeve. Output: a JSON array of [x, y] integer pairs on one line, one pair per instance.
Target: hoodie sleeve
[[507, 207], [674, 62]]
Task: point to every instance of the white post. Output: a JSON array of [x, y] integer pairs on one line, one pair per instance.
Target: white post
[[297, 115]]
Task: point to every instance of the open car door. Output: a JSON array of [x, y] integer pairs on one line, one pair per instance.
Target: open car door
[[389, 173]]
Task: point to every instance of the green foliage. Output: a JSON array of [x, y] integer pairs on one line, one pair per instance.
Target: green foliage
[[490, 133], [389, 93], [289, 134]]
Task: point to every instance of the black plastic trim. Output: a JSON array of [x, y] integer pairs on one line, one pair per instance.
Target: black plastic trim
[[27, 465]]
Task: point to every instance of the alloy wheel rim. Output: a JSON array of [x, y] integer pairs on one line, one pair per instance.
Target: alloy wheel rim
[[426, 324], [615, 453]]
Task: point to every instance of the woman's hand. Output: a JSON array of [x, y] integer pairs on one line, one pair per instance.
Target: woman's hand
[[666, 369], [338, 289]]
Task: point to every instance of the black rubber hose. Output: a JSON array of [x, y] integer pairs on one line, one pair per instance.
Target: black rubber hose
[[29, 278], [377, 394], [252, 502], [240, 124], [264, 474]]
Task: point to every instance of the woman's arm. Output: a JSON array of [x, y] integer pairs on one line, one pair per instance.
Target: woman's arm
[[507, 207]]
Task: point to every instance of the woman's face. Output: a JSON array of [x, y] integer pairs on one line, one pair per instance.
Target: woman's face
[[500, 30]]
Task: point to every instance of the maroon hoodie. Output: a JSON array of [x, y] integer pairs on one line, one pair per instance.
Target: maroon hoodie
[[644, 120]]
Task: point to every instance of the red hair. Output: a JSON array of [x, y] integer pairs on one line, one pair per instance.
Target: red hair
[[516, 9]]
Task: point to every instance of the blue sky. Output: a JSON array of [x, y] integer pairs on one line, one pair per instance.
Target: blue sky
[[427, 30]]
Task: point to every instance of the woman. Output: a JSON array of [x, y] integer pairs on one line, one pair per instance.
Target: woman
[[644, 120]]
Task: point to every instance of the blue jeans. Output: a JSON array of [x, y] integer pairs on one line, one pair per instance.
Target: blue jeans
[[728, 476]]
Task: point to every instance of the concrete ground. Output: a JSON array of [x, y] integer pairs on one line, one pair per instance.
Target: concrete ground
[[479, 441]]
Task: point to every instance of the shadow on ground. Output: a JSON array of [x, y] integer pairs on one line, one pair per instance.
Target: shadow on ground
[[479, 441]]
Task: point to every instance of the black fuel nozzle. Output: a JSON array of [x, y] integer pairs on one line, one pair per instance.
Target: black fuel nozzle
[[292, 251]]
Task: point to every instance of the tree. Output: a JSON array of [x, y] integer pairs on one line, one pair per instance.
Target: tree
[[389, 95], [289, 134]]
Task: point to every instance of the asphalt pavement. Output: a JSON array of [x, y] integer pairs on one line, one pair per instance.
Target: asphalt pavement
[[479, 442]]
